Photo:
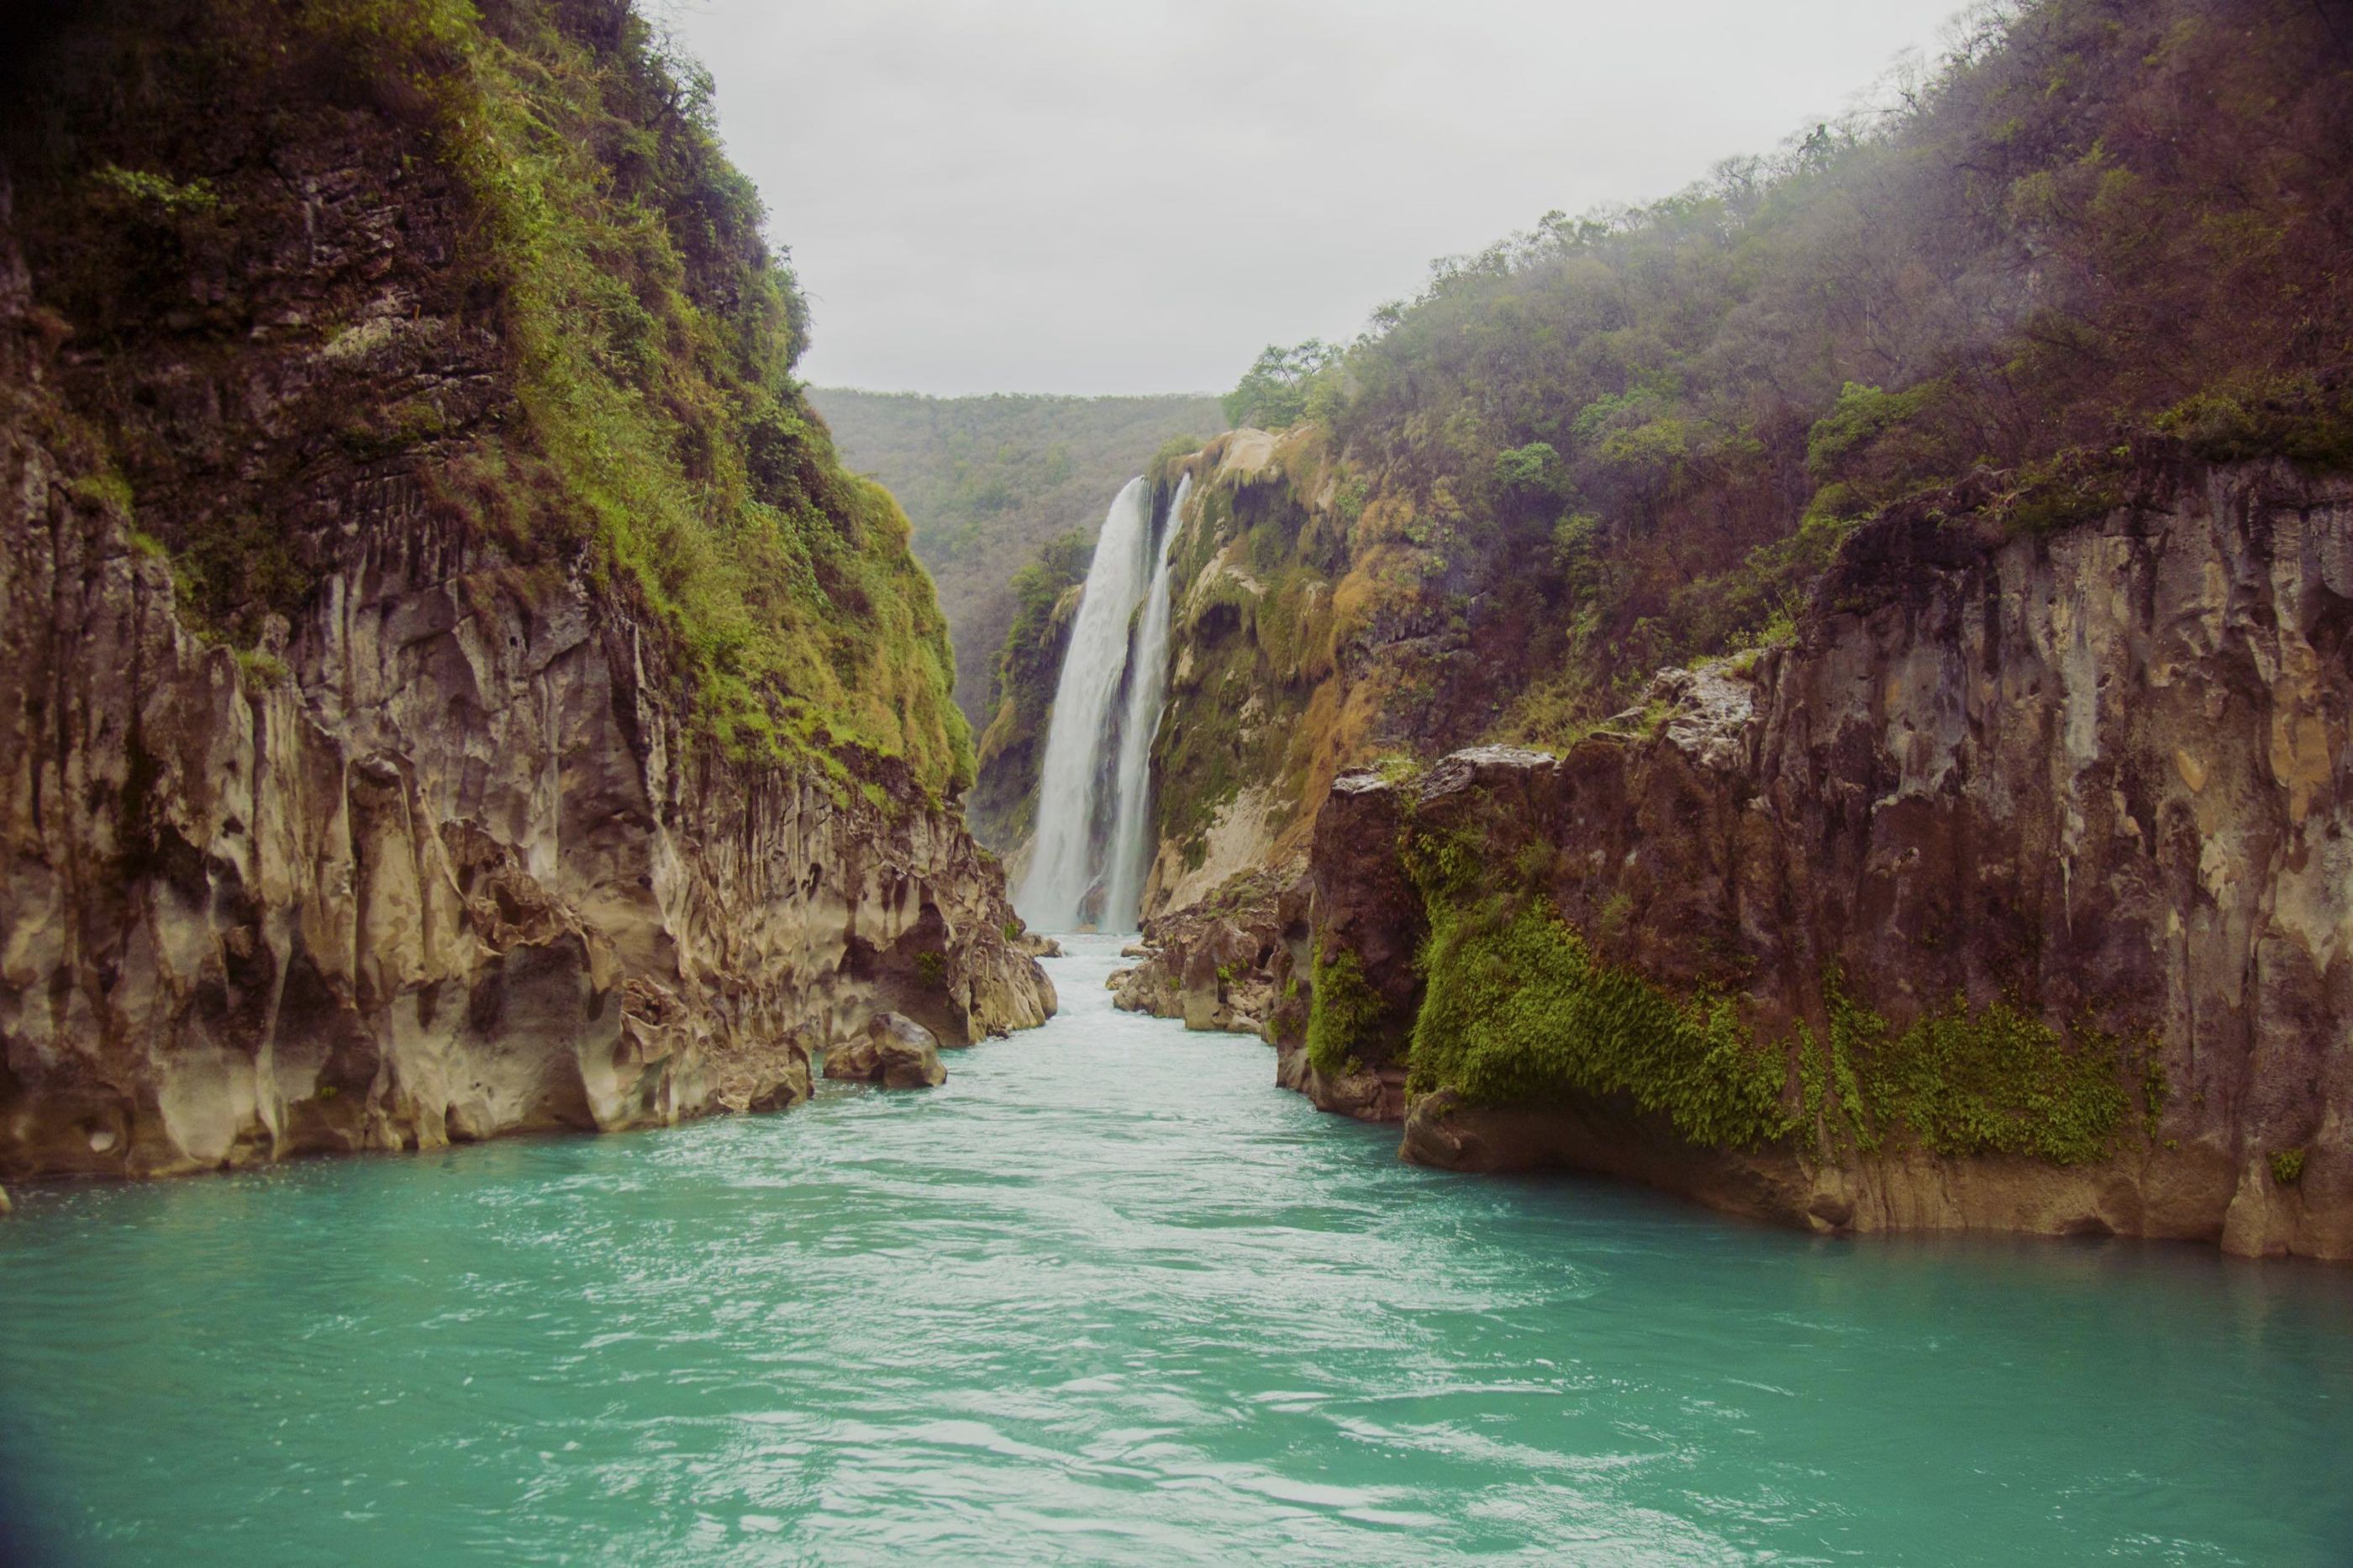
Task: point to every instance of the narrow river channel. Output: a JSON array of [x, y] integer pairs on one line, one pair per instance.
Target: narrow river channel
[[1111, 1297]]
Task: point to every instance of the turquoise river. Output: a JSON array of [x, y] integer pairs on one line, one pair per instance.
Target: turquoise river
[[1111, 1297]]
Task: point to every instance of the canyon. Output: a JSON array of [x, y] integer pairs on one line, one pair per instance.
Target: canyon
[[427, 720], [1824, 700]]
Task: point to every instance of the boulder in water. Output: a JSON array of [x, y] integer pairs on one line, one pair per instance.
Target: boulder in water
[[775, 1076], [896, 1052]]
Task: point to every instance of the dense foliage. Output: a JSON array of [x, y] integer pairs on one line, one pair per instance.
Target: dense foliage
[[2094, 227], [1345, 1012], [646, 411], [1970, 1080], [990, 481]]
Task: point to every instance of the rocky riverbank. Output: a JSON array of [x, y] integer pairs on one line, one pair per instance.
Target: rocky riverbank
[[2011, 896]]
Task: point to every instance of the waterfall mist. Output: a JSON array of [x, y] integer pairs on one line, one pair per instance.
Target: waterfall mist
[[1087, 862]]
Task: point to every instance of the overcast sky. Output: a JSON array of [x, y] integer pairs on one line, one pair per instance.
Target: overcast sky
[[1136, 196]]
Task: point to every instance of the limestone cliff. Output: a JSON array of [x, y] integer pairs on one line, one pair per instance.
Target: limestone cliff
[[367, 784], [2013, 895], [1974, 861], [1003, 804]]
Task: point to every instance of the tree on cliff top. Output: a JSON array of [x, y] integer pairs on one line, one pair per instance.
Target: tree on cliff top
[[1275, 391]]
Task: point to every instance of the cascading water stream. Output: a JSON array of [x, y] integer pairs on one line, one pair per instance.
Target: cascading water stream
[[1148, 687], [1062, 869], [1098, 759]]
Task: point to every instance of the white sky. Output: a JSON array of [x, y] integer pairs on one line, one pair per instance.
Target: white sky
[[1136, 196]]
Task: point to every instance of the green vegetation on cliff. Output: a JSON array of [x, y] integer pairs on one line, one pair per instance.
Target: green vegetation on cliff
[[2095, 233], [620, 338], [1519, 1010], [992, 481], [1519, 1007], [1344, 1013], [1959, 1079]]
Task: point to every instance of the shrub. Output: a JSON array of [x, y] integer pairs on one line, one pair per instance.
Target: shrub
[[1519, 1010], [1343, 1011], [1274, 393]]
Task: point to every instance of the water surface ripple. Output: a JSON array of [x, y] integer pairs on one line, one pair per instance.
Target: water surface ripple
[[1110, 1297]]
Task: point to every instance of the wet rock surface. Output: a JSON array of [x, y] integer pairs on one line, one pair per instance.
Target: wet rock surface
[[894, 1051], [1367, 1093], [1223, 964]]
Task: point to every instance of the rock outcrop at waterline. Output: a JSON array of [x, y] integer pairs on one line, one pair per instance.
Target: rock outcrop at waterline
[[894, 1051], [357, 788], [1212, 965], [2015, 895]]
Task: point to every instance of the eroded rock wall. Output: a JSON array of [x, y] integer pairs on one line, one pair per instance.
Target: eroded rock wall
[[2100, 776], [455, 873], [442, 857]]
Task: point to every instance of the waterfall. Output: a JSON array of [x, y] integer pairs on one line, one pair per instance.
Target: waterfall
[[1063, 872], [1147, 685], [1098, 751]]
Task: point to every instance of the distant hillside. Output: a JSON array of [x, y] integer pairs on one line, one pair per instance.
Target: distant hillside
[[987, 481]]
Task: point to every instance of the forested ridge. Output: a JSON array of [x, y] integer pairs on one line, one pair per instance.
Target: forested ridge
[[2092, 237]]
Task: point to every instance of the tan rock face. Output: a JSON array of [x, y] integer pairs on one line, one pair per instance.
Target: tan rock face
[[447, 863], [894, 1051], [2101, 774], [1222, 964]]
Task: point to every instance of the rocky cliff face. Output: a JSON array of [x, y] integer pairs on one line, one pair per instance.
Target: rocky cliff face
[[342, 810], [459, 872], [2014, 895], [1003, 804]]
